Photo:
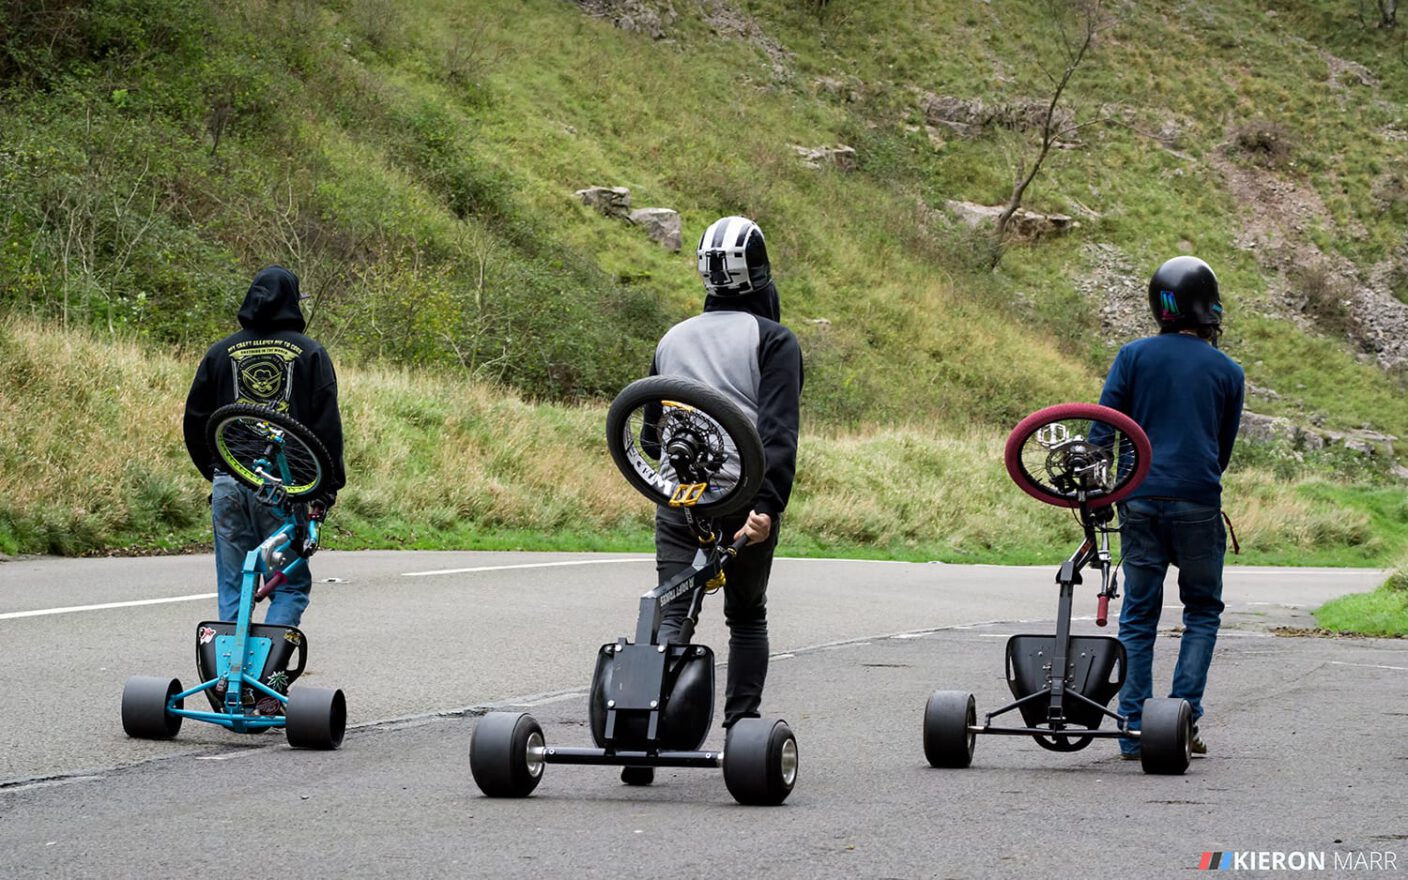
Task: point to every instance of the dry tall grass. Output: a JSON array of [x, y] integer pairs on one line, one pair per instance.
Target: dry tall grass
[[91, 458]]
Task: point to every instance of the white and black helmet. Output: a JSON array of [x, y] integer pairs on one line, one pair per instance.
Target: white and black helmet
[[732, 257]]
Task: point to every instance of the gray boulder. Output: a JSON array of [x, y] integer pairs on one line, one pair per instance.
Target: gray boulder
[[662, 225], [841, 157], [612, 201], [1029, 225]]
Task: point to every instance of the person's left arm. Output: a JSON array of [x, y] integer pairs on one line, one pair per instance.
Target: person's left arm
[[1231, 419], [779, 417], [326, 422]]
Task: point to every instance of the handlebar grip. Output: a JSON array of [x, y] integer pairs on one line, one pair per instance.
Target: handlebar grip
[[739, 544], [1102, 611], [269, 585]]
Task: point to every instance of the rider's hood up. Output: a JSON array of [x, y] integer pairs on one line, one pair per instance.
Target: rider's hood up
[[272, 302]]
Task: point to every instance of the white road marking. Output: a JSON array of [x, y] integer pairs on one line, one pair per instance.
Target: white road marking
[[1369, 665], [631, 559], [413, 574], [1301, 572], [843, 559], [11, 615]]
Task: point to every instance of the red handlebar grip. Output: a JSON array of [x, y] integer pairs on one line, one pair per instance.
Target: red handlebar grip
[[1102, 611], [270, 584]]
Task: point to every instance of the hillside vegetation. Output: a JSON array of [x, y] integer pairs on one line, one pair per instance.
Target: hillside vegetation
[[415, 163]]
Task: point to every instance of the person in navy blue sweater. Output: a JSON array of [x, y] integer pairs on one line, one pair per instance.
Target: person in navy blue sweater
[[1187, 396]]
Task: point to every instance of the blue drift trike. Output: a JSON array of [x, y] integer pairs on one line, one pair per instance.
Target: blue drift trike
[[246, 669]]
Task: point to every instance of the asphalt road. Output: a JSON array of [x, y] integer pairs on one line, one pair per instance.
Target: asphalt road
[[1308, 752]]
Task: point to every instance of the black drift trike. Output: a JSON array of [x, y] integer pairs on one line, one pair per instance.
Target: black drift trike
[[682, 445], [246, 669], [1084, 457]]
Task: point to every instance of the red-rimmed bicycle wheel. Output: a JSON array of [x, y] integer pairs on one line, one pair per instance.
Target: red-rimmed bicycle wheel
[[1060, 453]]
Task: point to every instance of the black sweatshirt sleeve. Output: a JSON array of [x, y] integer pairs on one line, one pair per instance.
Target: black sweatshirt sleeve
[[779, 405], [199, 407], [326, 420]]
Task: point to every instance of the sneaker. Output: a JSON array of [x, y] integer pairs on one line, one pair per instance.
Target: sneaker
[[1129, 756], [1197, 746]]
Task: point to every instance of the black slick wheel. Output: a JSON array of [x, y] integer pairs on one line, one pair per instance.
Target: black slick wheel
[[248, 439], [144, 713], [315, 718], [760, 761], [683, 444], [506, 754], [638, 775], [947, 740], [1166, 737]]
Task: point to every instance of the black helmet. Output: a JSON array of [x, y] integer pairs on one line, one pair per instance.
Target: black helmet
[[1183, 295], [733, 259]]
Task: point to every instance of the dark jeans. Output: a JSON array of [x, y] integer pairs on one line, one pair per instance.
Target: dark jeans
[[745, 606], [1153, 535], [240, 524]]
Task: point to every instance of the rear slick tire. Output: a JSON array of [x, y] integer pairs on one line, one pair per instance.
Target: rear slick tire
[[505, 754], [760, 761], [1166, 737]]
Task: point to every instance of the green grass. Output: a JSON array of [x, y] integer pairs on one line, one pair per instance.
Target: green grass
[[1384, 612]]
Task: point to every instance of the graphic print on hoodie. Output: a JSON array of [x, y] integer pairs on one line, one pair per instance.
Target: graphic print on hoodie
[[263, 369], [268, 363]]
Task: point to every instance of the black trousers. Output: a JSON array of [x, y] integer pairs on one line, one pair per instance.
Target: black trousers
[[745, 605]]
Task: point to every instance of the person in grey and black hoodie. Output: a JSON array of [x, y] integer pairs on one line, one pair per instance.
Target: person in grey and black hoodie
[[739, 348], [268, 363]]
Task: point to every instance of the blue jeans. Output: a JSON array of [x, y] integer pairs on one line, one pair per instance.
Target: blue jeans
[[240, 524], [1153, 535]]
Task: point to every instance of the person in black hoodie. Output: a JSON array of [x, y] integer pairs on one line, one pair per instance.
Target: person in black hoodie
[[739, 347], [268, 363]]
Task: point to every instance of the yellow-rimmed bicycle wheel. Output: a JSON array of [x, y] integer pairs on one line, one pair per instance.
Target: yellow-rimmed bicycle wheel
[[248, 439]]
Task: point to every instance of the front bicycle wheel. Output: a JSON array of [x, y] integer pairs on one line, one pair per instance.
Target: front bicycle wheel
[[1075, 453], [257, 445], [682, 444]]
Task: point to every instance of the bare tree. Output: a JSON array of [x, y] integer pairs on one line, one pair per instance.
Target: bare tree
[[1074, 48]]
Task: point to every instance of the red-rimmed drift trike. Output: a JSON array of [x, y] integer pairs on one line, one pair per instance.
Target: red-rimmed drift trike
[[1084, 457]]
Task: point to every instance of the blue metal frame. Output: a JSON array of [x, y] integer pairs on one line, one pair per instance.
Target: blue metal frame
[[246, 652]]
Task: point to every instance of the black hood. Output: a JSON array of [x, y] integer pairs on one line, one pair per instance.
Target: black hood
[[272, 302], [763, 303]]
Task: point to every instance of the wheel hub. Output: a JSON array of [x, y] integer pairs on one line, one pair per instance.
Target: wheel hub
[[789, 762], [534, 757]]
